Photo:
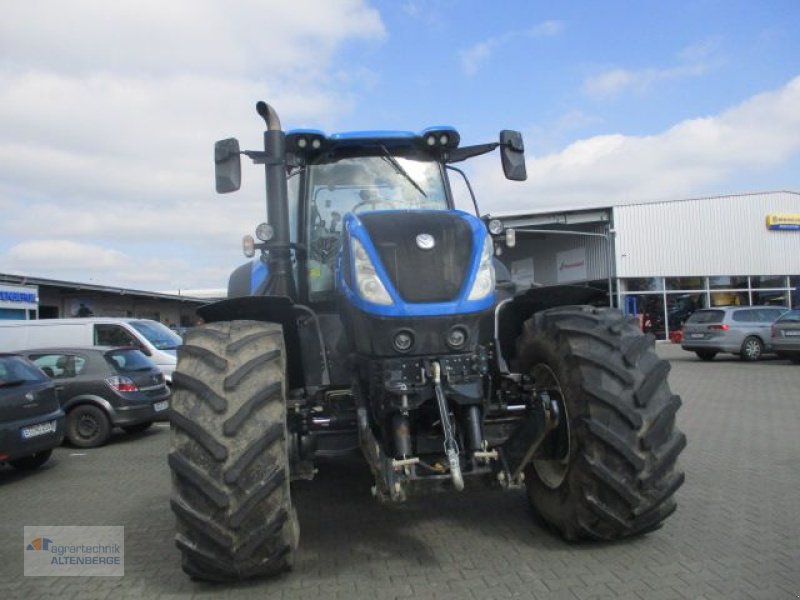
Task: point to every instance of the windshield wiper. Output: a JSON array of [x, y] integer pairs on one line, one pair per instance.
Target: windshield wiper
[[387, 156]]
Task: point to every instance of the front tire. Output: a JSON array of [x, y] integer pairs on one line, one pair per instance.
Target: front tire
[[620, 473], [229, 458]]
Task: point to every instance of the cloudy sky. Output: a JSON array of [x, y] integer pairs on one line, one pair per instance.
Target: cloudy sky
[[109, 111]]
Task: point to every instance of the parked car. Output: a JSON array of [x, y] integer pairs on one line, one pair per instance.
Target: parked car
[[101, 388], [786, 336], [741, 330], [157, 341], [31, 420]]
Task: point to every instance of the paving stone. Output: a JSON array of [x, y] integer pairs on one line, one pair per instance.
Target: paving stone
[[735, 534]]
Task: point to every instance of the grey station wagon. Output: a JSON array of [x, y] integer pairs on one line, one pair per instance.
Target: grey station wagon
[[742, 330]]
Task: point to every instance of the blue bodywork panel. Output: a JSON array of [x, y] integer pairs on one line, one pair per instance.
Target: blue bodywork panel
[[386, 138], [353, 228], [258, 275]]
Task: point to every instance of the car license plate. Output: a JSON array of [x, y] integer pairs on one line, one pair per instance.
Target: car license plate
[[791, 333], [159, 406], [37, 430], [695, 335]]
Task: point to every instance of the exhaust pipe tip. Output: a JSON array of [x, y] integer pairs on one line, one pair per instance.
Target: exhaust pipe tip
[[269, 115]]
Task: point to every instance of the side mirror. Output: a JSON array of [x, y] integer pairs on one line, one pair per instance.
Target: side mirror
[[227, 165], [512, 151]]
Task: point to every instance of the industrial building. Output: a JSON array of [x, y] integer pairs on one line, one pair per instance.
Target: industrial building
[[663, 260], [24, 297]]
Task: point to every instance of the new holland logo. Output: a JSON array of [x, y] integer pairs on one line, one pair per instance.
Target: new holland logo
[[425, 241]]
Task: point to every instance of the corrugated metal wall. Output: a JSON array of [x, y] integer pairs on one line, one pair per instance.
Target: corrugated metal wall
[[544, 249], [705, 237]]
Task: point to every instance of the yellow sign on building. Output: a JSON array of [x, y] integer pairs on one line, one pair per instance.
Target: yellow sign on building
[[784, 221]]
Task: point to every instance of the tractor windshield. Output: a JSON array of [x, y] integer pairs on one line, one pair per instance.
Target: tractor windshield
[[381, 182], [360, 184]]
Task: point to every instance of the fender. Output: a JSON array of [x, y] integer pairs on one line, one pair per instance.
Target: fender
[[511, 314], [273, 309], [98, 401], [281, 310]]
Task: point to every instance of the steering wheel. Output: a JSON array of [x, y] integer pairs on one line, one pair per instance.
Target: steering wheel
[[324, 248]]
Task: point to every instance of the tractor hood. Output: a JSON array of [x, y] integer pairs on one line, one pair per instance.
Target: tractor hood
[[416, 262]]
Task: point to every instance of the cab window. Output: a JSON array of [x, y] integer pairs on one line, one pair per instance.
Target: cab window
[[113, 335], [60, 366]]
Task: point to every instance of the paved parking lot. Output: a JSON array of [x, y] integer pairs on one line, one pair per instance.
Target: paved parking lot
[[736, 533]]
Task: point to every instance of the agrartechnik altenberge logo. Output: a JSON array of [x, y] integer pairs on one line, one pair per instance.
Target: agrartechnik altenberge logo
[[74, 551]]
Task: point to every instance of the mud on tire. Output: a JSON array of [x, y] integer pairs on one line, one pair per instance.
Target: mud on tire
[[229, 458], [621, 473]]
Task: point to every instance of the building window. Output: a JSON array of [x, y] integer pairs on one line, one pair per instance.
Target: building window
[[771, 297], [728, 282], [644, 284], [681, 306], [768, 281], [685, 283]]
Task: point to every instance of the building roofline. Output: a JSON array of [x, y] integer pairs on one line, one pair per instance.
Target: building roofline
[[11, 279], [552, 210]]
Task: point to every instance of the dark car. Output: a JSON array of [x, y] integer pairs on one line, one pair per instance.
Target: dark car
[[786, 336], [102, 387], [31, 420]]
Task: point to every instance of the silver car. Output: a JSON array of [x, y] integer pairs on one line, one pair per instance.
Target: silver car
[[741, 330], [786, 336]]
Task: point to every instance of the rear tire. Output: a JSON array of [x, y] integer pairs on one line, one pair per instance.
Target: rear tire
[[706, 354], [88, 426], [229, 458], [620, 474], [752, 349], [29, 463]]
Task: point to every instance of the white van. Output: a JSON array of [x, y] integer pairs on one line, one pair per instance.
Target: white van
[[151, 337]]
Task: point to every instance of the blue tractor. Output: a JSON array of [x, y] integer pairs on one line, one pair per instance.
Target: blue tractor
[[375, 315]]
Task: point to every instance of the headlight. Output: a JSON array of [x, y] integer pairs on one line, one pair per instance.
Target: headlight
[[248, 246], [403, 341], [495, 227], [369, 285], [484, 279], [456, 338], [265, 232]]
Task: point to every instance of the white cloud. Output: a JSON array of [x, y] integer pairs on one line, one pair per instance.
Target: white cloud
[[109, 112], [691, 158], [65, 255], [696, 60], [94, 263], [474, 57], [615, 81]]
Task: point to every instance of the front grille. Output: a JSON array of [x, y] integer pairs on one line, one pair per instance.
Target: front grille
[[435, 275]]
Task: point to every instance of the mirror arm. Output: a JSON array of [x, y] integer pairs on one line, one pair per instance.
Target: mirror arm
[[459, 154]]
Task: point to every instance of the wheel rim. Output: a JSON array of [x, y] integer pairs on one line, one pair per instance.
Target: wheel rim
[[553, 472], [87, 426], [752, 349]]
